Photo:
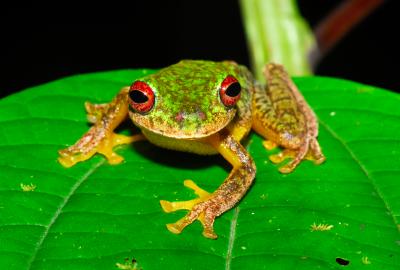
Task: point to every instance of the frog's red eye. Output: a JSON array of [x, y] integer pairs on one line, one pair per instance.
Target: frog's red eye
[[141, 97], [229, 91]]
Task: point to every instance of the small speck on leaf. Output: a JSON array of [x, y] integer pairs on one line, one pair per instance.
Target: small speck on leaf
[[128, 265], [27, 187], [320, 227], [365, 260]]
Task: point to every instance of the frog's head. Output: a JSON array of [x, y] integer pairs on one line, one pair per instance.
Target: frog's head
[[188, 100]]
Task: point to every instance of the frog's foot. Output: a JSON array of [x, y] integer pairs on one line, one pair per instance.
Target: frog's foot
[[96, 141], [204, 208], [310, 150]]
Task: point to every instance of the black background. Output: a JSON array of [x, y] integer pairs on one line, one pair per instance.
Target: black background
[[40, 44]]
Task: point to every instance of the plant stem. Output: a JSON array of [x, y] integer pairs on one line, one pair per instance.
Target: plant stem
[[276, 32]]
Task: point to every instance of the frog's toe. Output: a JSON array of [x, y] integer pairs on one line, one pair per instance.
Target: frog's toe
[[186, 205], [117, 139], [176, 227], [269, 145], [315, 157], [169, 207], [209, 233], [66, 161], [288, 168], [316, 153], [112, 157], [282, 156], [319, 160], [197, 190], [70, 156]]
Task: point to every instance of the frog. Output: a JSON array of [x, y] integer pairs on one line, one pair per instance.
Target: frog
[[206, 108]]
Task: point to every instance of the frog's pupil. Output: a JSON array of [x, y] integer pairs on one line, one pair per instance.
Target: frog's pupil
[[138, 96], [233, 90]]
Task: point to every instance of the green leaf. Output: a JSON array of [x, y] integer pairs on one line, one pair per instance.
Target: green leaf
[[94, 215]]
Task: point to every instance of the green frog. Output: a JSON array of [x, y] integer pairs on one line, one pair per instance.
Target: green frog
[[206, 108]]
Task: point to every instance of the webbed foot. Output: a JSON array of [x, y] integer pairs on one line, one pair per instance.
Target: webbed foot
[[309, 150], [95, 141], [204, 208]]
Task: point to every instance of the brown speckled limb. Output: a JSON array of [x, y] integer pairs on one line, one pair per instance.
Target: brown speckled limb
[[282, 116], [101, 137], [208, 206]]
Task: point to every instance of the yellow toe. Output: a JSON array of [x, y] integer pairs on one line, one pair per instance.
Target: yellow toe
[[269, 145], [112, 157], [286, 169], [197, 190], [172, 227], [166, 206], [123, 139], [210, 234]]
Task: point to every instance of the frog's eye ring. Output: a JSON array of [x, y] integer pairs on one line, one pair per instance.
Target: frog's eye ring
[[229, 91], [141, 97]]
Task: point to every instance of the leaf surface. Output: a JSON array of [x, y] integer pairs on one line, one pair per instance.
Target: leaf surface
[[95, 215]]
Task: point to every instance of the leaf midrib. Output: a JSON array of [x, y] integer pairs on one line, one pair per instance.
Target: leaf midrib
[[78, 183]]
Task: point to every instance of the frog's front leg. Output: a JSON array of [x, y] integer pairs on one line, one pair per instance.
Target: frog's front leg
[[210, 205], [282, 116], [101, 137]]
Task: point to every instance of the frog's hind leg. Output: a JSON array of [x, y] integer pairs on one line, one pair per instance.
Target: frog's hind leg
[[101, 137], [283, 118]]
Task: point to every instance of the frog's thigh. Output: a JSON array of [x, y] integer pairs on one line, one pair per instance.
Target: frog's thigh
[[283, 118]]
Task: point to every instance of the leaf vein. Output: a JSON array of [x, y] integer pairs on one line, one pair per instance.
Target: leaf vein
[[59, 210], [363, 169]]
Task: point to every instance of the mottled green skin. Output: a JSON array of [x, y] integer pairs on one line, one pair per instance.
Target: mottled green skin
[[187, 103]]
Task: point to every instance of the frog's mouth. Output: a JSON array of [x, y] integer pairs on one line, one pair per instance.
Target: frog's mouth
[[184, 125]]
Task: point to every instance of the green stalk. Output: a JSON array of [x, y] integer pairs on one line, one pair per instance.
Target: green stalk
[[276, 32]]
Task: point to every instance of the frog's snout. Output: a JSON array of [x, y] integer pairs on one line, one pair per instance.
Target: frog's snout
[[183, 115]]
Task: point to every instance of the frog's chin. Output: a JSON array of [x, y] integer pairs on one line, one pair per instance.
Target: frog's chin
[[177, 131], [191, 145]]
